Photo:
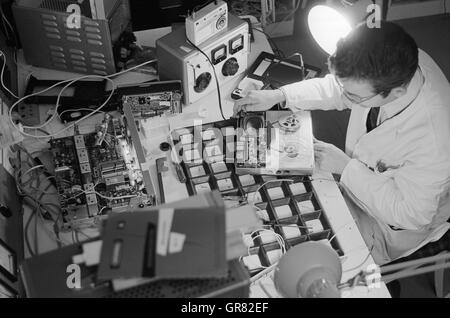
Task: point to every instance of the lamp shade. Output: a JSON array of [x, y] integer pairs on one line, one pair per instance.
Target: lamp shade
[[310, 269], [327, 25]]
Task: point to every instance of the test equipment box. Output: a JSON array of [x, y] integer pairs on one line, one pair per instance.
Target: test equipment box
[[208, 21], [179, 60]]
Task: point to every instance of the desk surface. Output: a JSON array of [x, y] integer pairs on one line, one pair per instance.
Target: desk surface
[[356, 255]]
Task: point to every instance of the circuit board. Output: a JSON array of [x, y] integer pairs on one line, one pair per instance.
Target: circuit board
[[154, 104], [97, 174], [275, 143]]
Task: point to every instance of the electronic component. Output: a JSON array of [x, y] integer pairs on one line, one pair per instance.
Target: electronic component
[[246, 180], [197, 171], [314, 226], [306, 206], [284, 207], [98, 173], [291, 231], [283, 211], [208, 21], [297, 188], [267, 237], [219, 167], [275, 142], [152, 99], [228, 52]]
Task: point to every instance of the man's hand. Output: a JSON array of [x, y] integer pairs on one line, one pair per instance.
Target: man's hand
[[329, 157], [258, 100]]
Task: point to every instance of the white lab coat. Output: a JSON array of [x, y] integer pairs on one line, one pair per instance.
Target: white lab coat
[[407, 205]]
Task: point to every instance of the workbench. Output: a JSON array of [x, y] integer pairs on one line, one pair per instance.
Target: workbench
[[356, 254]]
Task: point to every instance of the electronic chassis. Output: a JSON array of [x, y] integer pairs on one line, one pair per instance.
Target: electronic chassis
[[98, 173]]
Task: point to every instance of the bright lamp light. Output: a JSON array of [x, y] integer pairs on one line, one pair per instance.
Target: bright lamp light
[[327, 26]]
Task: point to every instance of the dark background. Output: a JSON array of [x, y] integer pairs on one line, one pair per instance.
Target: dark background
[[147, 14]]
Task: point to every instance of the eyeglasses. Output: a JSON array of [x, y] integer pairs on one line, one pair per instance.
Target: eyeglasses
[[354, 98]]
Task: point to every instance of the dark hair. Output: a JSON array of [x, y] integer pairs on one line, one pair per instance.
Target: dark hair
[[386, 57]]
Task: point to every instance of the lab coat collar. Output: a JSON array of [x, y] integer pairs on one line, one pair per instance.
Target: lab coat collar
[[396, 106]]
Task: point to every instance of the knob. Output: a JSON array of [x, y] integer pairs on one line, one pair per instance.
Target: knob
[[221, 22], [202, 82], [230, 67]]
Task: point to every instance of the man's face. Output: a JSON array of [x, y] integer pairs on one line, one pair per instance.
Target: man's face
[[361, 93]]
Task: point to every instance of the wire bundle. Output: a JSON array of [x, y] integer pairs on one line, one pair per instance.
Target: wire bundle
[[55, 114]]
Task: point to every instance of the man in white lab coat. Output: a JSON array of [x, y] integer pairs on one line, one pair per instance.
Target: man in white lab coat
[[395, 172]]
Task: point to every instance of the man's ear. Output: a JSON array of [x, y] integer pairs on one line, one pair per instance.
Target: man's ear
[[398, 91]]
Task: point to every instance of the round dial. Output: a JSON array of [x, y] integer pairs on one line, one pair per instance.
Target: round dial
[[221, 22], [230, 67], [202, 82]]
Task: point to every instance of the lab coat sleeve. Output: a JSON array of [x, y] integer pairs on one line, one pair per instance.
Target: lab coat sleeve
[[407, 199], [317, 93]]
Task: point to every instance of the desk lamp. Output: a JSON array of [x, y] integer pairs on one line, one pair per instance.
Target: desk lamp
[[334, 19], [313, 270]]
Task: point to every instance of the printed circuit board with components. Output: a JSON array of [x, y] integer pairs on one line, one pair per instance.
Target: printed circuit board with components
[[98, 173]]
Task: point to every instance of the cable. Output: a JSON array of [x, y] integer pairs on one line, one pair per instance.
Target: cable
[[362, 263], [114, 198], [74, 110], [84, 234], [215, 76], [32, 169], [1, 75], [5, 20], [70, 82], [27, 239], [101, 195], [278, 238], [263, 273], [57, 103]]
